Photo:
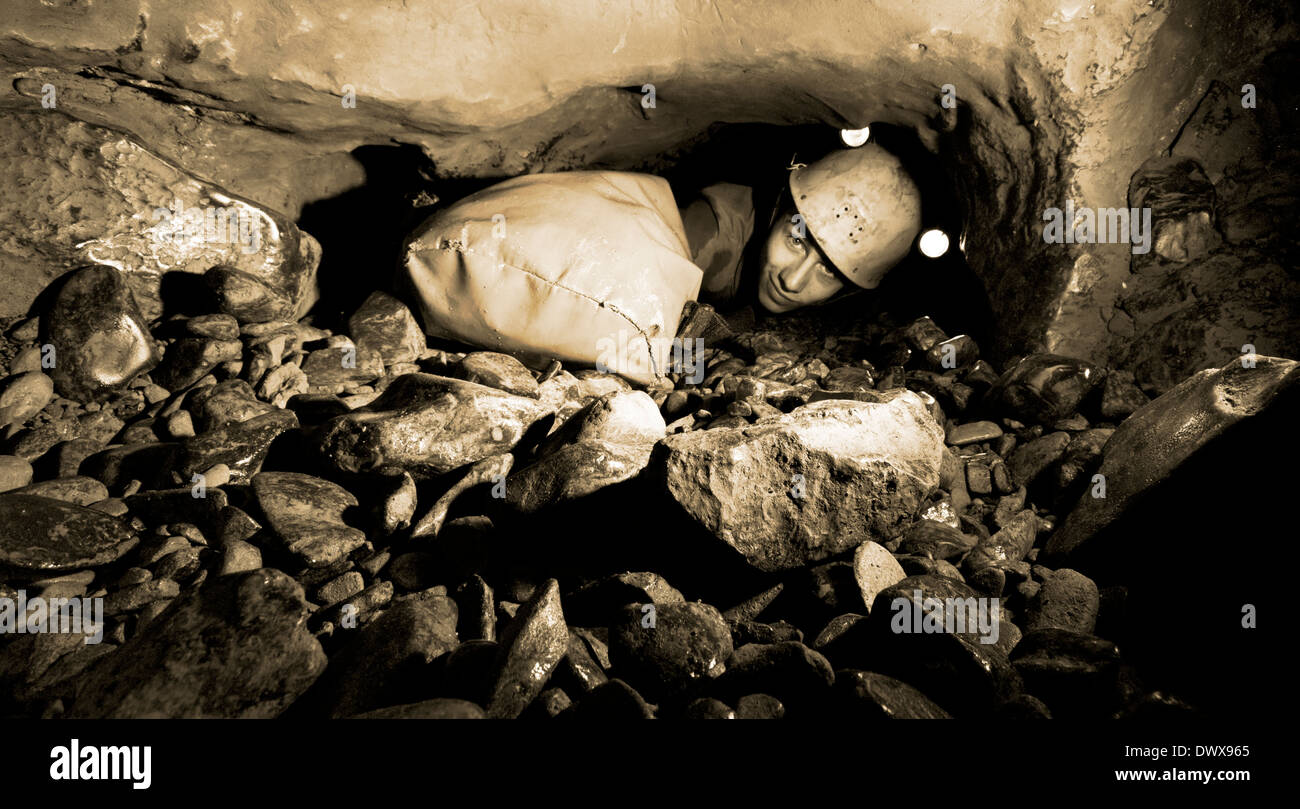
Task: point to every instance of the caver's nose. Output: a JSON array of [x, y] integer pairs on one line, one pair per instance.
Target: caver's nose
[[793, 279]]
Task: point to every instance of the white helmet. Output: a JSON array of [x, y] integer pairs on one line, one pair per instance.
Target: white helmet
[[862, 208]]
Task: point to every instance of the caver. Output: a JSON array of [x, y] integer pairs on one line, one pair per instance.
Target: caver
[[560, 265]]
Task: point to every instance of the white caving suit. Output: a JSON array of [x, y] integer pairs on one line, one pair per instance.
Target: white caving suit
[[585, 267]]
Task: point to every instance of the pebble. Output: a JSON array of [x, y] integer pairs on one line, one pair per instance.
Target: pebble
[[180, 425], [189, 359], [1044, 388], [936, 540], [15, 473], [500, 371], [759, 706], [864, 695], [979, 480], [23, 396]]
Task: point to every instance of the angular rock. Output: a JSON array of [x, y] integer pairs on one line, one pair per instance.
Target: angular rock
[[936, 540], [237, 647], [439, 708], [816, 482], [789, 671], [1197, 418], [190, 358], [598, 603], [101, 341], [1010, 544], [428, 425], [875, 569], [1032, 459], [868, 695], [242, 447], [1067, 600], [384, 324], [227, 402], [41, 533], [531, 647], [305, 514]]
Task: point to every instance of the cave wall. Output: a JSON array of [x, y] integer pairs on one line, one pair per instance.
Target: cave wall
[[1056, 99]]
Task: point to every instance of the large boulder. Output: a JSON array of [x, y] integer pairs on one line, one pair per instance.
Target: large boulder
[[815, 482], [237, 647], [81, 194]]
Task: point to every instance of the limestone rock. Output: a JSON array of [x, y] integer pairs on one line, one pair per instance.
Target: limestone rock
[[815, 482], [428, 425], [82, 194]]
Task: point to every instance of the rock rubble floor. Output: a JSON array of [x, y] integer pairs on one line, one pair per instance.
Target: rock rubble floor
[[282, 520]]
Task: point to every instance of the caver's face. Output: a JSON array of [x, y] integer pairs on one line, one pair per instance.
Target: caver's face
[[795, 272]]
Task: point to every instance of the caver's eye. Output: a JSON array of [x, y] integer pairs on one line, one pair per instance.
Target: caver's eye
[[794, 243]]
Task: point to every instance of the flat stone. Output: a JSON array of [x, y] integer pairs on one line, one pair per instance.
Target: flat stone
[[788, 671], [974, 432], [101, 340], [346, 365], [863, 471], [237, 647], [384, 324], [78, 490], [47, 534], [428, 425], [245, 297], [306, 515]]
